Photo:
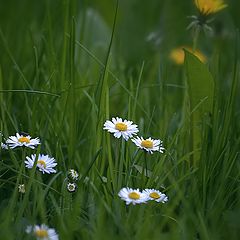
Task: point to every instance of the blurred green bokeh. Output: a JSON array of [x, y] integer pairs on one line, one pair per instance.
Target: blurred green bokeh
[[144, 29]]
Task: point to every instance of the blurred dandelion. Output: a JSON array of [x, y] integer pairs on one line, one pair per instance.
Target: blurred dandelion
[[149, 145], [154, 38], [21, 140], [42, 232], [45, 163], [207, 7], [120, 128], [177, 55]]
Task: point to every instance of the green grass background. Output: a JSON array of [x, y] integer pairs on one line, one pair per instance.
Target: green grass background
[[66, 66]]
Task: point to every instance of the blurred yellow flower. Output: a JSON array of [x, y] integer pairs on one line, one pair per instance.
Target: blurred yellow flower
[[177, 55], [207, 7]]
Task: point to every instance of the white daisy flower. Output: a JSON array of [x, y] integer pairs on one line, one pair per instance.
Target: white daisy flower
[[45, 163], [73, 174], [155, 195], [71, 187], [149, 144], [21, 188], [42, 232], [120, 128], [21, 140], [133, 196]]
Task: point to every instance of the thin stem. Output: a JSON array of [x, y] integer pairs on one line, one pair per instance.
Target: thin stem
[[134, 160], [146, 168], [121, 160], [195, 38]]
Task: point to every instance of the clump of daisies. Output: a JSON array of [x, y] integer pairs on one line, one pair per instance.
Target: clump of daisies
[[126, 129], [45, 164], [135, 196], [73, 176], [42, 232], [21, 140], [121, 128]]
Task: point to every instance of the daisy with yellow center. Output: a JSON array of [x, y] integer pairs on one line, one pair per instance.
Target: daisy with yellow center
[[150, 145], [42, 232], [133, 196], [22, 141], [207, 7], [121, 128], [177, 55], [155, 195], [45, 164]]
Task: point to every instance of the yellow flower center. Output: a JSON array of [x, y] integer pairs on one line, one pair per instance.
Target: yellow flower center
[[154, 195], [24, 140], [41, 233], [134, 195], [147, 143], [121, 126], [42, 162]]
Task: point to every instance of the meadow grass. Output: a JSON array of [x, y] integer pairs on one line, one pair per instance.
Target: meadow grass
[[68, 66]]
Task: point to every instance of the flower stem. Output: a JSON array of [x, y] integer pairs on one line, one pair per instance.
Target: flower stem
[[121, 161], [134, 160], [146, 167], [195, 38]]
